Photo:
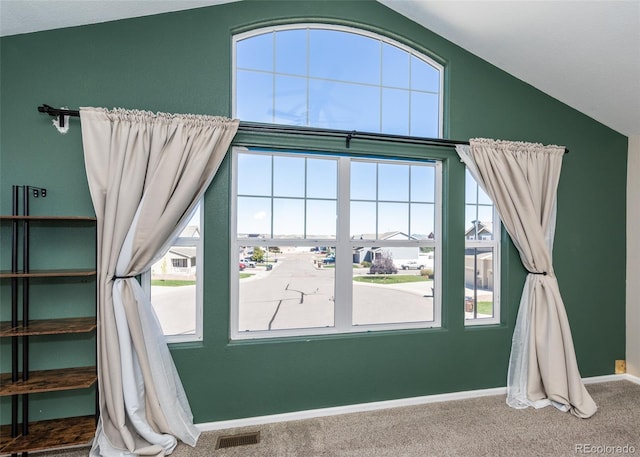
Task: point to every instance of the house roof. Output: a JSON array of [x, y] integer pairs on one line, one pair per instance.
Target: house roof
[[191, 231], [386, 236], [483, 227], [183, 251]]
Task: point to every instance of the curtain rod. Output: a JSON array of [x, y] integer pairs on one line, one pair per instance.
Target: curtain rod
[[270, 128]]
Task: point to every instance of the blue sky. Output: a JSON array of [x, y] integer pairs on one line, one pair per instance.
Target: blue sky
[[335, 79], [293, 190], [347, 81]]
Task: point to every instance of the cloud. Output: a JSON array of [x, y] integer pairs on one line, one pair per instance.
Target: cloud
[[260, 215]]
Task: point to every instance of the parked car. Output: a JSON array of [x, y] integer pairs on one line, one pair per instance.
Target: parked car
[[412, 265], [329, 259], [242, 266], [386, 268], [248, 263]]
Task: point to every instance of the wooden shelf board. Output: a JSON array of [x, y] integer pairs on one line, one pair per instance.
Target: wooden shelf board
[[48, 218], [5, 437], [47, 273], [49, 435], [49, 381], [49, 327]]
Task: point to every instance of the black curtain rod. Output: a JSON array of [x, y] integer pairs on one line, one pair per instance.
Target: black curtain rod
[[348, 135], [270, 128]]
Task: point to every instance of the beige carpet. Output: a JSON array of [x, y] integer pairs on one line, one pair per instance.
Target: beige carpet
[[477, 427]]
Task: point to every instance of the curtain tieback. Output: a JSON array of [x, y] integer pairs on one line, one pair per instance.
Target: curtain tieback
[[114, 277], [544, 273]]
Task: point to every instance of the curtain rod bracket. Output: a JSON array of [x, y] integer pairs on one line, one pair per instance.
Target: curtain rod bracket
[[59, 113], [348, 139]]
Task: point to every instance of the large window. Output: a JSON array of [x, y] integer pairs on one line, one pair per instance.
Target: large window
[[481, 256], [336, 77], [325, 244], [358, 237]]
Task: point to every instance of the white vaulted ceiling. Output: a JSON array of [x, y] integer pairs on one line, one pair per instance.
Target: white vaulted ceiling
[[584, 53]]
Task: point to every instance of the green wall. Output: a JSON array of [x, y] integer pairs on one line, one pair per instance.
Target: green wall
[[180, 62]]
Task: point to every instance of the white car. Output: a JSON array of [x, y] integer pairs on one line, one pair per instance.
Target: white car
[[412, 265], [248, 263]]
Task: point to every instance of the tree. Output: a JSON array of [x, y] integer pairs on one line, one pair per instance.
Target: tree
[[258, 254]]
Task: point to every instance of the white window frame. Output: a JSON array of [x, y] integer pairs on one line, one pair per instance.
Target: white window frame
[[198, 243], [340, 28], [343, 269], [497, 276]]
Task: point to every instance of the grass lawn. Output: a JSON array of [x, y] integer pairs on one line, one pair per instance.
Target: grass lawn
[[390, 279], [485, 307], [245, 275], [171, 282]]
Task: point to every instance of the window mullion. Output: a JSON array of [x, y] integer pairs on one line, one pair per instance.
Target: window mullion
[[343, 300]]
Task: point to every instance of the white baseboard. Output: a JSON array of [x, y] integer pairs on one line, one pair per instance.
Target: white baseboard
[[629, 377], [362, 407], [605, 378]]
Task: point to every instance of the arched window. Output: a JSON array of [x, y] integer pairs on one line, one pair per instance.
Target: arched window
[[336, 77]]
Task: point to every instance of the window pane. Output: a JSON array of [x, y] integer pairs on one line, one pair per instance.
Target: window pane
[[391, 276], [344, 56], [336, 79], [173, 291], [173, 284], [363, 181], [395, 111], [483, 197], [254, 96], [424, 76], [423, 184], [344, 106], [478, 283], [422, 221], [192, 230], [395, 67], [363, 220], [254, 174], [291, 52], [254, 216], [424, 115], [288, 176], [288, 289], [470, 188], [322, 178], [321, 219], [378, 297], [393, 182], [290, 100], [479, 223], [255, 53], [288, 218], [470, 218], [485, 214], [393, 217]]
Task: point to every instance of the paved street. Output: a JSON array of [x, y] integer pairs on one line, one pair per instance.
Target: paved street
[[175, 320], [297, 294]]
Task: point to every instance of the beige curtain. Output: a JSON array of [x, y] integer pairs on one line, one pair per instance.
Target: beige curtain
[[146, 172], [522, 180]]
